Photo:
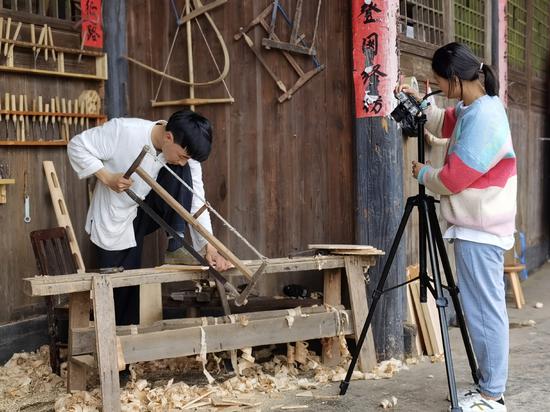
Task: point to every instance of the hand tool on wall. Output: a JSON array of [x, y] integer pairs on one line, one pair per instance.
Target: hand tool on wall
[[77, 121], [15, 36], [27, 118], [7, 116], [33, 41], [42, 135], [33, 124], [14, 117], [50, 43], [65, 131], [26, 200], [45, 42], [1, 31], [53, 109], [21, 118], [70, 121], [40, 42], [8, 28], [46, 121], [58, 118]]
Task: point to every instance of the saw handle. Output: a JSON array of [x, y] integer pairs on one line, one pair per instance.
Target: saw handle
[[137, 162]]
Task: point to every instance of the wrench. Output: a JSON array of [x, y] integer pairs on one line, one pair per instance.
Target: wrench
[[27, 202]]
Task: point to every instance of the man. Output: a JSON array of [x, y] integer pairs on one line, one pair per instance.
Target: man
[[115, 224]]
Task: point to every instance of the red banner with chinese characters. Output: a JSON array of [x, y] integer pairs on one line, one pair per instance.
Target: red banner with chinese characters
[[92, 23], [375, 64]]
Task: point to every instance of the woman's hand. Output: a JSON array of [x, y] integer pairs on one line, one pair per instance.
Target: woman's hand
[[114, 181], [416, 167], [405, 88]]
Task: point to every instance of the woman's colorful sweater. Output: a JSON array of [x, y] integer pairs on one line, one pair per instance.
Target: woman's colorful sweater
[[478, 181]]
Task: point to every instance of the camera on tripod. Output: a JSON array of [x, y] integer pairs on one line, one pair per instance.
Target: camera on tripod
[[407, 111]]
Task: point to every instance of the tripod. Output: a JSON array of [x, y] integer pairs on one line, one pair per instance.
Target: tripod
[[429, 235]]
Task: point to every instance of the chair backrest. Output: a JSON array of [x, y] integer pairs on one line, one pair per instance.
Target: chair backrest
[[52, 252]]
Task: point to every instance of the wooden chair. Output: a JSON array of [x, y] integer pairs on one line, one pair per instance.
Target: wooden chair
[[53, 257], [512, 272]]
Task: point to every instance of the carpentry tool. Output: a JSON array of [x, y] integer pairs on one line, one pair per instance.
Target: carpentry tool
[[15, 36], [162, 223], [14, 117], [70, 121], [65, 133], [41, 119], [40, 42], [34, 110], [45, 42], [46, 120], [76, 120], [27, 200], [21, 118], [33, 41], [50, 43], [8, 28], [53, 109], [1, 31], [26, 117], [6, 115]]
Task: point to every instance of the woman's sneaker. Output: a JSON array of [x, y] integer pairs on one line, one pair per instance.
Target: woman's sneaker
[[477, 403], [465, 393]]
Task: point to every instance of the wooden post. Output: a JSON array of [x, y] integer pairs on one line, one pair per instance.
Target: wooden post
[[79, 317], [106, 342], [379, 158], [499, 46], [114, 29], [332, 295], [359, 309]]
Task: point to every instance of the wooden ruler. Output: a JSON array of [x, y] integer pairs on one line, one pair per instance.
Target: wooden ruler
[[62, 213]]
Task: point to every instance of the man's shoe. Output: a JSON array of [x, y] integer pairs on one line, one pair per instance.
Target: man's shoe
[[477, 403]]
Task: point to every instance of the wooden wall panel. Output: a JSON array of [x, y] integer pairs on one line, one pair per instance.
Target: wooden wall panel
[[282, 174]]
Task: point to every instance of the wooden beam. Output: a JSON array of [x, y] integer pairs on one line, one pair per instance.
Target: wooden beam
[[106, 344], [84, 338], [185, 342], [79, 317], [332, 295]]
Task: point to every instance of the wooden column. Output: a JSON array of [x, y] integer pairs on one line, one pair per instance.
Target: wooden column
[[114, 28], [379, 158], [499, 46]]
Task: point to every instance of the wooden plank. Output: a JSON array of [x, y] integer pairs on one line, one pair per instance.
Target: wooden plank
[[331, 246], [79, 317], [106, 344], [84, 338], [412, 273], [359, 309], [185, 342], [412, 319], [62, 212], [332, 295], [150, 303]]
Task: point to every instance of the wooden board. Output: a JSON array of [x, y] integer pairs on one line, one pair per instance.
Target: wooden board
[[79, 317], [360, 310], [332, 295], [412, 273], [150, 303]]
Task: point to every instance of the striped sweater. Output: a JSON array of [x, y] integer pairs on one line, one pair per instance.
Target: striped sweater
[[478, 181]]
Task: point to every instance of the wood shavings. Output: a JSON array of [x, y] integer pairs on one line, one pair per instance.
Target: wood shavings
[[522, 324], [539, 305], [202, 356], [389, 403], [243, 320]]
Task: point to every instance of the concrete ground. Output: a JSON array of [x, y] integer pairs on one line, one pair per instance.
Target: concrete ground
[[424, 386]]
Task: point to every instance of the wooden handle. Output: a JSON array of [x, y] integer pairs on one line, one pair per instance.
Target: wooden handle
[[137, 162]]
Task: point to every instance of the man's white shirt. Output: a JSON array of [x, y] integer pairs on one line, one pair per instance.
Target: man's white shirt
[[115, 145]]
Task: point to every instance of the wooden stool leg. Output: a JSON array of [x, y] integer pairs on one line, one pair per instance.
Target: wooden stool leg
[[516, 289], [360, 310], [332, 295], [79, 317], [106, 344]]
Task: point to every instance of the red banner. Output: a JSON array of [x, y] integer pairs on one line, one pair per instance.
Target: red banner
[[375, 68], [92, 23]]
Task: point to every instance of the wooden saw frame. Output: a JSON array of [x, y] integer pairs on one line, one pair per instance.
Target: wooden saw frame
[[192, 10], [296, 45]]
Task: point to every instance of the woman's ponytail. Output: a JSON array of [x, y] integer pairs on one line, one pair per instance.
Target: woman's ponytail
[[491, 80]]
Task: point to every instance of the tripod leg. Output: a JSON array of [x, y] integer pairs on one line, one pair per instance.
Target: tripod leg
[[441, 302], [411, 202], [453, 290]]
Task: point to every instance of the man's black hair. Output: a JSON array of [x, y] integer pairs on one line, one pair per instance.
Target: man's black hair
[[193, 132]]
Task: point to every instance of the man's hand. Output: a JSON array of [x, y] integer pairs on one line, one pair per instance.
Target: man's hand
[[217, 261], [114, 181]]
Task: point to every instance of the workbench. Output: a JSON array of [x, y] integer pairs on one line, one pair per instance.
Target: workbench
[[111, 348]]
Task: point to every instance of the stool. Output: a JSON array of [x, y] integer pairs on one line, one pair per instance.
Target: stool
[[512, 272]]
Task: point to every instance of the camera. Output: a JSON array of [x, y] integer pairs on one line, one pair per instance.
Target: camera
[[407, 111]]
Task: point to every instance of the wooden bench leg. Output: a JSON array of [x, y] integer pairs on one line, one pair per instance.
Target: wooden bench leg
[[150, 304], [516, 288], [79, 317], [332, 295], [106, 343], [359, 309]]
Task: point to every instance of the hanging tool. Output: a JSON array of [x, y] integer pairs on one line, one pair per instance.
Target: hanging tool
[[33, 41], [6, 115], [40, 42], [33, 124], [8, 28], [65, 131], [50, 43], [46, 120], [15, 36], [1, 31], [58, 118], [41, 119], [26, 117], [21, 118], [46, 42], [27, 200], [70, 121], [14, 117], [76, 120], [53, 109]]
